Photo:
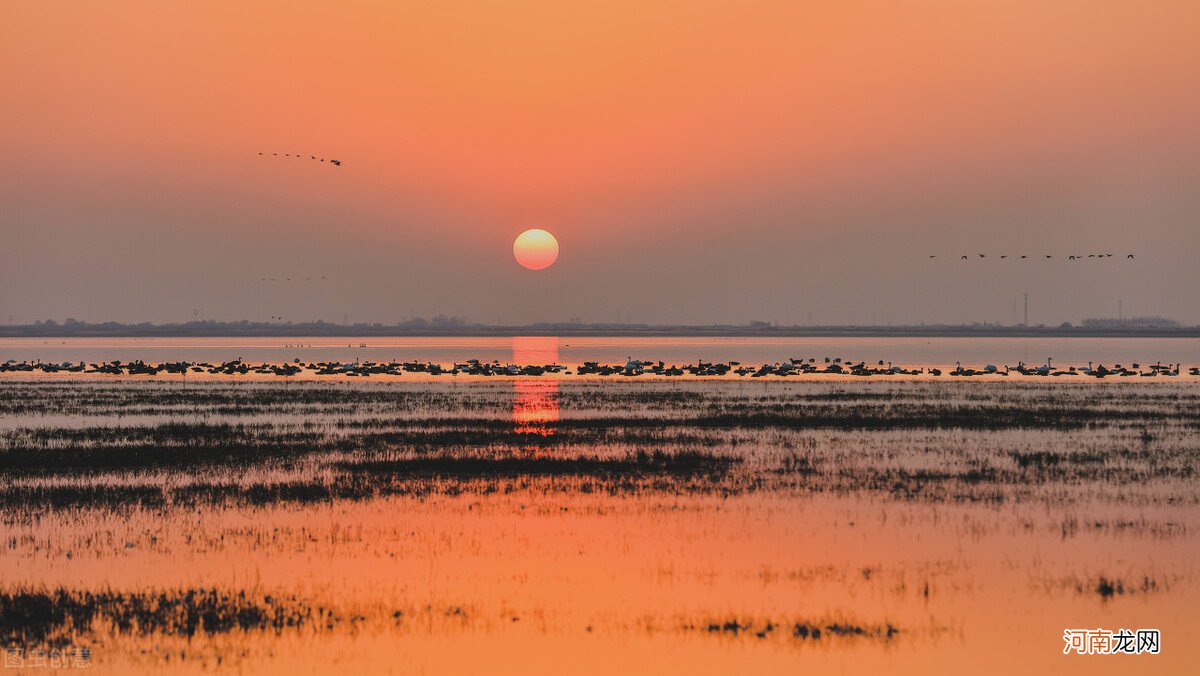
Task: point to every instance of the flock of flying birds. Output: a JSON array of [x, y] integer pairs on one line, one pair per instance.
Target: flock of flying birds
[[1070, 257], [288, 279], [336, 163]]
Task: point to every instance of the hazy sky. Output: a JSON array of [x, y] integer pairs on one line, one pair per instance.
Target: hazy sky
[[698, 161]]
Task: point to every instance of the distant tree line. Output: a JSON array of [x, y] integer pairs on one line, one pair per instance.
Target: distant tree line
[[1104, 323], [443, 325]]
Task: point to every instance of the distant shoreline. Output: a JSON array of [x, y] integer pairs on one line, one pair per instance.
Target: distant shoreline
[[326, 330]]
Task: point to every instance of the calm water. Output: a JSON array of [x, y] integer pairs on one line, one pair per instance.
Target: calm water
[[498, 526], [979, 538], [575, 350]]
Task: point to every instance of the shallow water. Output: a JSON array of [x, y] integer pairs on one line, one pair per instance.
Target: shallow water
[[977, 520]]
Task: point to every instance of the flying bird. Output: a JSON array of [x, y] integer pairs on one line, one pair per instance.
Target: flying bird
[[311, 157]]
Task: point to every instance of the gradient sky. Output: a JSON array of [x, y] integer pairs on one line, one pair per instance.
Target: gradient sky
[[698, 161]]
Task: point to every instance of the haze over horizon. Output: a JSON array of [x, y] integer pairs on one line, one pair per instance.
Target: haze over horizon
[[699, 162]]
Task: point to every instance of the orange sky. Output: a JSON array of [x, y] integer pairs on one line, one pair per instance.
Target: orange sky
[[681, 136]]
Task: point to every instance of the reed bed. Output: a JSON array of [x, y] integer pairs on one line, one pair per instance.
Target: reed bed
[[811, 517]]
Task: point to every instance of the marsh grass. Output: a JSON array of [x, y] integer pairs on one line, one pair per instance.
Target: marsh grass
[[55, 617], [911, 441], [751, 518], [802, 630]]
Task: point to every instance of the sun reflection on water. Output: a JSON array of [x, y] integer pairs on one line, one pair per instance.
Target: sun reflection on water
[[535, 399]]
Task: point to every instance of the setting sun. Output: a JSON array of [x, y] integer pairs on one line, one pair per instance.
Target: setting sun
[[535, 249]]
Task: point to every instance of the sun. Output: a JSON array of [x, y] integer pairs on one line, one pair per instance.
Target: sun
[[535, 249]]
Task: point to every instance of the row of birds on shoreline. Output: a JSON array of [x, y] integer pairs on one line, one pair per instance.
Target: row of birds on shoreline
[[1070, 257], [632, 368]]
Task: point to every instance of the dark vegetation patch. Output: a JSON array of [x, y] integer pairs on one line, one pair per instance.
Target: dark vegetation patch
[[356, 442], [684, 471], [181, 444], [682, 464], [1107, 587], [799, 630], [56, 616], [1022, 403], [15, 498]]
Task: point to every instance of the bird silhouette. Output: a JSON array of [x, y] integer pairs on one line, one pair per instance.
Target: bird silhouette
[[311, 157], [1071, 257]]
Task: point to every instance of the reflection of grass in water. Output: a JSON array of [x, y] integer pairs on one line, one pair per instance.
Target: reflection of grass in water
[[403, 399], [220, 489], [59, 617], [681, 464], [803, 630], [993, 443], [418, 475], [54, 617], [74, 496], [1107, 587]]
